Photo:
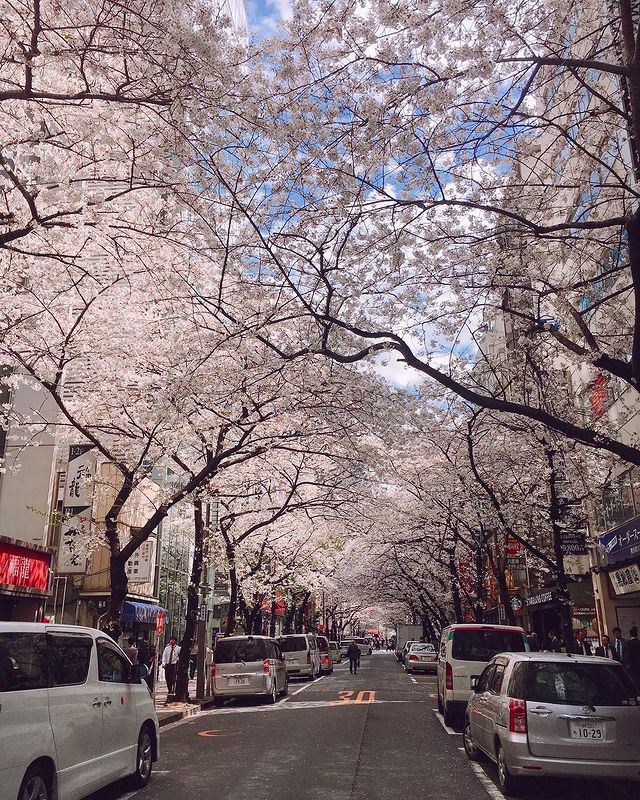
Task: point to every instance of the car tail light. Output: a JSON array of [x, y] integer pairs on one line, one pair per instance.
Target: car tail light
[[327, 660], [412, 657], [266, 667], [448, 677], [308, 656], [517, 715]]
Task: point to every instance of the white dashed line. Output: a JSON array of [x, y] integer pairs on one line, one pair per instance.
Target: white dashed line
[[301, 689], [489, 786], [440, 718]]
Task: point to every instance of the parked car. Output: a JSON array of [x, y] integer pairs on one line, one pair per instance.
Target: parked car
[[251, 666], [421, 657], [539, 714], [364, 646], [336, 655], [301, 654], [76, 714], [326, 662], [401, 655], [465, 649]]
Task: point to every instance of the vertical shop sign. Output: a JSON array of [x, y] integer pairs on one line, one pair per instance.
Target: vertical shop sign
[[76, 511]]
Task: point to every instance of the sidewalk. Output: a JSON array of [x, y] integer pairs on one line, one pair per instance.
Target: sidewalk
[[174, 712]]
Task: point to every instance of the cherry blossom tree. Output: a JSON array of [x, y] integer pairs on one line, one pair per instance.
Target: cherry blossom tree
[[418, 169]]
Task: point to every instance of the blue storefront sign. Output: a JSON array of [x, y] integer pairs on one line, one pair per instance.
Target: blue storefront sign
[[622, 543]]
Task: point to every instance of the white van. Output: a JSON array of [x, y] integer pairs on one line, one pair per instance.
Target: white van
[[74, 713], [465, 649]]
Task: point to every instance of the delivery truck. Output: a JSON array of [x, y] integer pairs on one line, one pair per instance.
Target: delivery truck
[[407, 633]]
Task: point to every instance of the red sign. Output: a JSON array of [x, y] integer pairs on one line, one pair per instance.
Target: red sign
[[160, 622], [21, 568], [514, 548], [599, 395]]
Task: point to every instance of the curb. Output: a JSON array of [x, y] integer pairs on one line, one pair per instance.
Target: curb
[[175, 716]]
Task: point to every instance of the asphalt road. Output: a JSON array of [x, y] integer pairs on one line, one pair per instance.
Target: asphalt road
[[342, 737]]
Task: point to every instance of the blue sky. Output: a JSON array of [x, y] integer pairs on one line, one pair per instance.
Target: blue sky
[[266, 15]]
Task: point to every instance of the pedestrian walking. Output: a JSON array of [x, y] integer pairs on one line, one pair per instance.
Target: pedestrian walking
[[552, 643], [579, 644], [193, 660], [604, 649], [617, 645], [152, 665], [169, 663], [131, 650], [631, 653], [353, 652]]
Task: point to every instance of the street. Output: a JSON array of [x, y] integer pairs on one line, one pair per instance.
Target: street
[[342, 737]]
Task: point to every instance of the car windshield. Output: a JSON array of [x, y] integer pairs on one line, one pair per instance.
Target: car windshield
[[231, 651], [483, 645], [579, 684], [293, 644]]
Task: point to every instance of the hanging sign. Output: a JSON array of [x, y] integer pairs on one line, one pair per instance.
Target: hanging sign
[[76, 511]]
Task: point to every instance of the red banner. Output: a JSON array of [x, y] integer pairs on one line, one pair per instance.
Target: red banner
[[21, 568]]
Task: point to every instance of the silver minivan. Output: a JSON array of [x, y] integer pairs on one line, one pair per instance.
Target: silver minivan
[[246, 666], [302, 654], [555, 714]]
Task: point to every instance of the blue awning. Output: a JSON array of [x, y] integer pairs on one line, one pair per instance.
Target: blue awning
[[141, 612]]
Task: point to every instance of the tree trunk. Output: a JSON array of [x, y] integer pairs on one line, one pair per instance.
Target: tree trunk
[[233, 593], [300, 613], [272, 620], [193, 604], [561, 578]]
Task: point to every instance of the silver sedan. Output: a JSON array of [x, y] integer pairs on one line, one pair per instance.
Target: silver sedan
[[421, 657]]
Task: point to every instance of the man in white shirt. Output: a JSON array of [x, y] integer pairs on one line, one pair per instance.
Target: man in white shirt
[[169, 662]]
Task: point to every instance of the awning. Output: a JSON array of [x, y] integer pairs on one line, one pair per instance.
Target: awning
[[141, 612]]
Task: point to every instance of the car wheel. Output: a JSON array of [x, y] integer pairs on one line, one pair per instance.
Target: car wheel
[[144, 759], [440, 706], [273, 697], [36, 785], [473, 754], [218, 702], [285, 691], [508, 783]]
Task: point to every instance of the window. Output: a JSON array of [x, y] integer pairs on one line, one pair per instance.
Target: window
[[580, 685], [23, 661], [518, 680], [293, 644], [484, 644], [234, 651], [498, 678], [70, 656], [485, 679], [113, 666]]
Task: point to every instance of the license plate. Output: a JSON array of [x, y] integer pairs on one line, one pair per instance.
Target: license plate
[[587, 730], [238, 681]]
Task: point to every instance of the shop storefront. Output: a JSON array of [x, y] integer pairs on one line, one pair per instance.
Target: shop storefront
[[25, 580], [543, 609], [617, 577]]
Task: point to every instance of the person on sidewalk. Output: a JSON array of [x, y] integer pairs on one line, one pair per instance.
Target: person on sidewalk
[[579, 644], [632, 655], [170, 663], [617, 645], [604, 649], [131, 650], [353, 652]]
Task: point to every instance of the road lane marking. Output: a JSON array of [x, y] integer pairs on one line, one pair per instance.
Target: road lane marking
[[413, 680], [297, 691], [449, 730], [489, 786]]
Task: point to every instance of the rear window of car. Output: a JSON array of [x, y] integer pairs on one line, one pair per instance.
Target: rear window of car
[[23, 661], [579, 684], [483, 645], [422, 648], [293, 644], [232, 651], [323, 643]]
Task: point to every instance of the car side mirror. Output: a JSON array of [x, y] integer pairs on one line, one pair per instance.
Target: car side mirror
[[138, 673], [475, 682]]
